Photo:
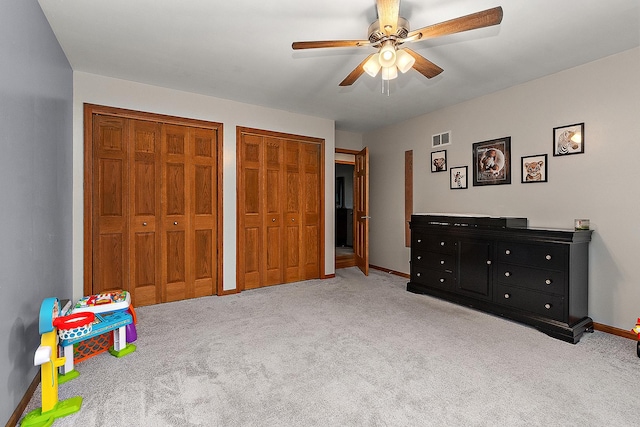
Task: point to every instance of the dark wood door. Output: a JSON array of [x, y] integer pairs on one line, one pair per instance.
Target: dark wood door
[[475, 267]]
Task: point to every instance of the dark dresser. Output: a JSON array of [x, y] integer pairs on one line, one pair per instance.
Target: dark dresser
[[500, 265]]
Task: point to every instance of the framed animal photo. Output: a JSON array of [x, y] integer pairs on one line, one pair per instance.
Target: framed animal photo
[[534, 169], [492, 162], [439, 161], [458, 179], [568, 140]]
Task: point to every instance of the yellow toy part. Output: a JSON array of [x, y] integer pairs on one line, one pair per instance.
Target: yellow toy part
[[47, 358]]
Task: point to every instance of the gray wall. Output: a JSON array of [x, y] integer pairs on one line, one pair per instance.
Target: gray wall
[[35, 170], [601, 184]]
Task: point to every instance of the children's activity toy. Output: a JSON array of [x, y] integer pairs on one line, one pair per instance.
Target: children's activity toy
[[113, 314], [46, 357]]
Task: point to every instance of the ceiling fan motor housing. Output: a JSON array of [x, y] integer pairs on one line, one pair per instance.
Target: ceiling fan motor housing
[[377, 35]]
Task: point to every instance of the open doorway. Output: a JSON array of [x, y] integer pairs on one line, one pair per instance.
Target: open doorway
[[352, 209], [345, 256]]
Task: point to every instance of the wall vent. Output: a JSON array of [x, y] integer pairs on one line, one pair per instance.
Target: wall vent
[[441, 139]]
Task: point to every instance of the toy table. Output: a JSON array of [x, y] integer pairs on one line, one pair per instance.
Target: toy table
[[111, 314]]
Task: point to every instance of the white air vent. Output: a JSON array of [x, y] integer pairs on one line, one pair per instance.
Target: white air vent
[[441, 139]]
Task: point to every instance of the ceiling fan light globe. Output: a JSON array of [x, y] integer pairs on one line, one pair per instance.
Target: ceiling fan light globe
[[387, 54], [372, 66], [389, 73], [404, 61]]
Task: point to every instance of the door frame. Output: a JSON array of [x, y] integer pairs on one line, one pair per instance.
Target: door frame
[[363, 268], [92, 109]]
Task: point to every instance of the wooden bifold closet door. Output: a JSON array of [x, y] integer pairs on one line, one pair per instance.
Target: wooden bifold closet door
[[280, 205], [152, 205]]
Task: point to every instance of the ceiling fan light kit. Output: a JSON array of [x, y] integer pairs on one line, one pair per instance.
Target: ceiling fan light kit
[[391, 30]]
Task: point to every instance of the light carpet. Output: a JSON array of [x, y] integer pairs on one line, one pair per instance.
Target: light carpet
[[351, 351]]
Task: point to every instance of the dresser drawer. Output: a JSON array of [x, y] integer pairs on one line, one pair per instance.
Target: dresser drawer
[[551, 281], [434, 261], [430, 243], [542, 304], [432, 278], [552, 256]]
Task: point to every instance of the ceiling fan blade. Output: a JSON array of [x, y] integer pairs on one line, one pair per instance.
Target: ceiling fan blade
[[329, 43], [486, 18], [388, 12], [357, 72], [423, 65]]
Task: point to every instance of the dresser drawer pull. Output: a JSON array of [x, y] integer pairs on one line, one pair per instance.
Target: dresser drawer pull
[[441, 280], [419, 240], [418, 274], [442, 243], [488, 262], [419, 257], [441, 262], [547, 306], [507, 296], [507, 273], [508, 252], [548, 257], [548, 281]]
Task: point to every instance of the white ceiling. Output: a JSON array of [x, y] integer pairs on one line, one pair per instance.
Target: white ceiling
[[241, 49]]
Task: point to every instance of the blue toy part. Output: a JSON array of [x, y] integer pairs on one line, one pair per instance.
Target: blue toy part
[[48, 311], [104, 322]]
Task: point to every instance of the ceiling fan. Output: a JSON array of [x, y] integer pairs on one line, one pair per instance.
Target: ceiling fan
[[391, 31]]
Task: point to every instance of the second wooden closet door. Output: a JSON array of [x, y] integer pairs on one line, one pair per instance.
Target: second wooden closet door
[[279, 182]]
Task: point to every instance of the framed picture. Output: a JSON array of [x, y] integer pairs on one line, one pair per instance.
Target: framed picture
[[439, 161], [458, 179], [534, 168], [492, 162], [568, 140]]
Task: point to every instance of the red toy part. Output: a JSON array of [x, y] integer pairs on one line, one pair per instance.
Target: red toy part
[[73, 320]]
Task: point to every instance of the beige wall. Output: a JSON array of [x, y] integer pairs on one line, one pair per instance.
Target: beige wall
[[601, 184], [348, 140], [91, 88]]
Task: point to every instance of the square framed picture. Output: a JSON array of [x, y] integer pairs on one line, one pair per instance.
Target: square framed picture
[[439, 161], [458, 180], [534, 168], [492, 162], [568, 140]]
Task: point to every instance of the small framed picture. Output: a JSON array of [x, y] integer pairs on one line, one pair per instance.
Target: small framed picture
[[568, 140], [458, 179], [534, 168], [492, 162], [439, 161]]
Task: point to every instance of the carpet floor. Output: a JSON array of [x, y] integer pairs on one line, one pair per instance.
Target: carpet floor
[[351, 351]]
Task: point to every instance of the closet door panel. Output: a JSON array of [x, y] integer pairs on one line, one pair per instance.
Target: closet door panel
[[175, 199], [293, 208], [110, 269], [144, 196], [204, 207], [273, 259], [250, 212], [311, 220]]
